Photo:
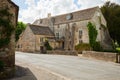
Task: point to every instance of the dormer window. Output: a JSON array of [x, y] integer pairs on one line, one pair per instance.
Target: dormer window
[[69, 16]]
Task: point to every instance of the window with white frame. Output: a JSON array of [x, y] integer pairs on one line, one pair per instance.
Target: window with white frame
[[80, 41], [57, 35], [80, 34]]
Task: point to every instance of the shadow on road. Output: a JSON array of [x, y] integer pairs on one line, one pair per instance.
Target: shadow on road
[[22, 73]]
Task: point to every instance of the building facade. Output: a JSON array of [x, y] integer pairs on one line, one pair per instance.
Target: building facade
[[33, 38], [71, 29]]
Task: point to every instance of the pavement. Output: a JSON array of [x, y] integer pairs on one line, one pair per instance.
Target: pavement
[[62, 67]]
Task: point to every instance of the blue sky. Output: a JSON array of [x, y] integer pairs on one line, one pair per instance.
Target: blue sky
[[30, 10]]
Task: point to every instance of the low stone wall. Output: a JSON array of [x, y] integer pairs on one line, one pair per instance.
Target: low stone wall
[[106, 56], [63, 52]]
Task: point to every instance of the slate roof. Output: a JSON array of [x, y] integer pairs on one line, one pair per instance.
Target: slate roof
[[41, 30], [81, 15]]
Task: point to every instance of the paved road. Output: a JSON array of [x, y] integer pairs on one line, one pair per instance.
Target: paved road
[[69, 67]]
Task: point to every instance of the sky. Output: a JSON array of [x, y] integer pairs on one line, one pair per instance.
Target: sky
[[30, 10]]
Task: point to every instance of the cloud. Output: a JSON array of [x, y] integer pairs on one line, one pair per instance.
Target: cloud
[[41, 8]]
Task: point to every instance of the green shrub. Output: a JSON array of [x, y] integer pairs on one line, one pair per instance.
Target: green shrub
[[92, 37], [82, 47], [47, 45], [97, 46], [1, 65], [92, 34], [118, 49]]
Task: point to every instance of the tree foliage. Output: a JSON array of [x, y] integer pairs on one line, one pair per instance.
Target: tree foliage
[[19, 29], [111, 12]]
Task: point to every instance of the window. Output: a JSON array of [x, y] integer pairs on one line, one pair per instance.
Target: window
[[58, 26], [18, 46], [80, 34], [70, 34], [41, 39], [57, 35], [80, 41], [21, 45]]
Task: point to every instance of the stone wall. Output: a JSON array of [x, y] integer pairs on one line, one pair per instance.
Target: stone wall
[[26, 42], [106, 56], [7, 52], [103, 34], [62, 52]]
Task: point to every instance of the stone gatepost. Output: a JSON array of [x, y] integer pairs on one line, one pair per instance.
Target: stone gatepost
[[8, 21]]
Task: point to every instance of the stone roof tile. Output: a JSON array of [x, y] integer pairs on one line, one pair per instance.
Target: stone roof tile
[[41, 30], [81, 15]]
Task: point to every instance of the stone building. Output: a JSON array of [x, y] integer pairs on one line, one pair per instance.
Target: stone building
[[71, 29], [33, 38], [8, 22]]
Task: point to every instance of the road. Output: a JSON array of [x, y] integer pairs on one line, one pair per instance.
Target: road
[[67, 67]]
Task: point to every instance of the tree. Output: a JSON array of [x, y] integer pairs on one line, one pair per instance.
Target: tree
[[111, 12], [19, 29]]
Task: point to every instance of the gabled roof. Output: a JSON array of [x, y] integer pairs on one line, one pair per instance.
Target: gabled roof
[[78, 15], [41, 30], [81, 15]]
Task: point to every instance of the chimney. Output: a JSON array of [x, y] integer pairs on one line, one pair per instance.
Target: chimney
[[28, 24], [49, 15]]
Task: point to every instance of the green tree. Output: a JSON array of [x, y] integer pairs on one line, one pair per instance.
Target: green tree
[[19, 29], [111, 12]]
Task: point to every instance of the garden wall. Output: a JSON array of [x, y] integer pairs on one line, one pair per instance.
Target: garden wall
[[106, 56], [59, 52]]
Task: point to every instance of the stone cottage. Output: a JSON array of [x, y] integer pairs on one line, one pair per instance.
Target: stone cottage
[[71, 29], [33, 38], [8, 22]]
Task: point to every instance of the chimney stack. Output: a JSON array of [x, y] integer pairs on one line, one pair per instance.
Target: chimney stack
[[49, 15]]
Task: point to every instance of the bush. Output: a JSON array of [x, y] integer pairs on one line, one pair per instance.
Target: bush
[[47, 46], [1, 65], [82, 47], [118, 49], [97, 46]]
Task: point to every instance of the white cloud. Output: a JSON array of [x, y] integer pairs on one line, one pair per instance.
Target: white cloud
[[43, 7], [55, 7]]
